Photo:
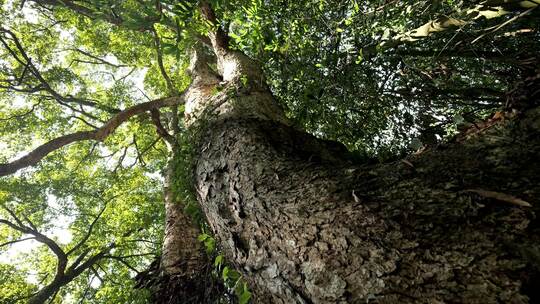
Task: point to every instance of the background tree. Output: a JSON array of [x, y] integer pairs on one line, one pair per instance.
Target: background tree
[[384, 78]]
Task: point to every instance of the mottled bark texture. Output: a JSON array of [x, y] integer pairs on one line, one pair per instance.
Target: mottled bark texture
[[183, 262], [306, 226], [183, 273]]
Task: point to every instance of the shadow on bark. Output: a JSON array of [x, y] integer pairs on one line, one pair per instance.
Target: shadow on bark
[[200, 288]]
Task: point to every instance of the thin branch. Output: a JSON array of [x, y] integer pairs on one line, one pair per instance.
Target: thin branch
[[27, 62], [121, 260], [83, 10], [80, 111], [97, 59], [74, 272], [84, 121], [79, 259], [89, 279], [121, 159], [96, 273], [108, 276], [131, 255], [34, 106], [156, 119], [85, 157], [17, 241], [30, 223], [152, 144], [496, 28], [89, 232], [19, 224], [53, 246], [142, 240], [170, 86], [139, 157]]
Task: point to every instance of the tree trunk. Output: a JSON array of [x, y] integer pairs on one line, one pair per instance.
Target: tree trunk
[[305, 225], [183, 265], [184, 273]]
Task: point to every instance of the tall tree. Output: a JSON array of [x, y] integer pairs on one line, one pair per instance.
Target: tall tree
[[298, 217]]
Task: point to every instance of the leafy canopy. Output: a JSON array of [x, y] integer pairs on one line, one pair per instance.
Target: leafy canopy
[[383, 77]]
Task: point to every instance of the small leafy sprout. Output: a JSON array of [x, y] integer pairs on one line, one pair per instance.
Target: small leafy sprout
[[244, 80], [209, 242], [231, 278]]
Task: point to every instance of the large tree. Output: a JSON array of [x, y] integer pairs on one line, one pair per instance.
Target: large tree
[[232, 87]]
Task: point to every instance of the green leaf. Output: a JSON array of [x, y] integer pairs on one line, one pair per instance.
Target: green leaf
[[234, 275], [244, 297], [203, 237], [356, 7], [218, 261], [225, 273], [360, 57], [210, 244]]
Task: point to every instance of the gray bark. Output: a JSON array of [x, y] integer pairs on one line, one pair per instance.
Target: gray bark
[[182, 275], [305, 226]]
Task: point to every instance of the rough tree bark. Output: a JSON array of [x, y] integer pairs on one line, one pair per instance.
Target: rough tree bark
[[306, 225], [181, 275]]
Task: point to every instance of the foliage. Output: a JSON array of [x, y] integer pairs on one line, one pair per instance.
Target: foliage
[[231, 278], [14, 286], [350, 71], [88, 70], [383, 77]]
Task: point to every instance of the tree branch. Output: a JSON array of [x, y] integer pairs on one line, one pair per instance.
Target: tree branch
[[89, 232], [16, 241], [219, 38], [26, 61], [121, 260], [79, 259], [100, 134], [74, 272], [34, 106], [97, 59], [155, 115], [139, 157], [170, 86], [83, 10], [19, 226]]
